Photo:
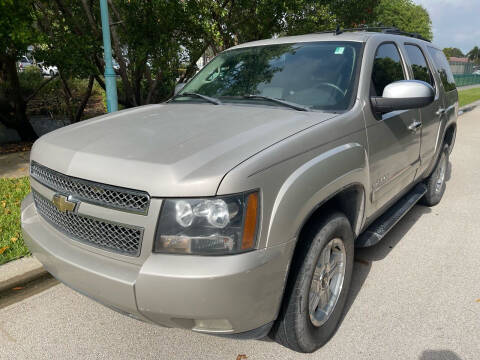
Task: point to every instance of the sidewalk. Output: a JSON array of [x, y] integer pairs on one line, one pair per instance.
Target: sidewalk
[[468, 87], [14, 164]]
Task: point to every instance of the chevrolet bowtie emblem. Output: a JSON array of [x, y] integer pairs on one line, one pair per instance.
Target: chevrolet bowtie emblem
[[62, 203]]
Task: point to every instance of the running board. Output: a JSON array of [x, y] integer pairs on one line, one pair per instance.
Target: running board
[[380, 227]]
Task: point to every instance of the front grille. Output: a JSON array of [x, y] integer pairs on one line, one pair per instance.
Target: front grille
[[123, 239], [89, 191]]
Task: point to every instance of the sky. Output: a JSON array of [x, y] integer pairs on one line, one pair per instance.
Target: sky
[[455, 23]]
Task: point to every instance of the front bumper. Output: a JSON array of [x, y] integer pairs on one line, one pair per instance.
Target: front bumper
[[216, 295]]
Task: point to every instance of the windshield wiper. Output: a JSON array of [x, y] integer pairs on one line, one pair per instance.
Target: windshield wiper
[[278, 101], [211, 100]]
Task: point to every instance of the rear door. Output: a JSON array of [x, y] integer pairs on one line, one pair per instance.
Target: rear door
[[394, 148], [449, 94]]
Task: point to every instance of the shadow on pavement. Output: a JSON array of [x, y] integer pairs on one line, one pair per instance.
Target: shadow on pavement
[[364, 257], [439, 355]]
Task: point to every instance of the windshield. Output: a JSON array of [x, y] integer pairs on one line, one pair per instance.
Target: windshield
[[318, 75]]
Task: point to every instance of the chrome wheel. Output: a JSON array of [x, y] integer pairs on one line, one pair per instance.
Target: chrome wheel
[[327, 281], [441, 174]]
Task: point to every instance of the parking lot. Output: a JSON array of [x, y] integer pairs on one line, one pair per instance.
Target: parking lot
[[416, 295]]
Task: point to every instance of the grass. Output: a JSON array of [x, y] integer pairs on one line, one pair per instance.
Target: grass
[[12, 192], [469, 96]]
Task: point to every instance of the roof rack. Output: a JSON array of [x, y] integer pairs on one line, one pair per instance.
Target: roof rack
[[383, 29]]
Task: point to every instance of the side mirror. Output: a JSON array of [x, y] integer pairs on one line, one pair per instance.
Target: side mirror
[[178, 87], [403, 95]]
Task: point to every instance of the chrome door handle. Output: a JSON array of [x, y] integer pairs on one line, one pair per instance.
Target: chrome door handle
[[414, 126], [441, 112]]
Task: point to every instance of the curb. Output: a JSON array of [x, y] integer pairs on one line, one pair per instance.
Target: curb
[[19, 272], [468, 108]]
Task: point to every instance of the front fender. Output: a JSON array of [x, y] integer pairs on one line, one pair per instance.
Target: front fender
[[312, 184]]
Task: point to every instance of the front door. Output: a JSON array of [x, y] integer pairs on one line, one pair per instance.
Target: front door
[[431, 115], [393, 138]]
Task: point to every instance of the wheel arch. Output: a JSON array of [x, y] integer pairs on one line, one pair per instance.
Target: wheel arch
[[450, 136], [340, 201]]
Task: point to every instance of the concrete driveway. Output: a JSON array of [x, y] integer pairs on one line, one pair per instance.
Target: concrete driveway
[[416, 295]]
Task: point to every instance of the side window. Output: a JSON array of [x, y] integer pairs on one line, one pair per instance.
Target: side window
[[419, 65], [387, 68], [443, 69]]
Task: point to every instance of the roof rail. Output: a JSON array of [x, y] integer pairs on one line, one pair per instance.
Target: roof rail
[[383, 29]]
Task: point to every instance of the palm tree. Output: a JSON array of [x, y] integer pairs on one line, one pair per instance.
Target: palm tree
[[474, 54]]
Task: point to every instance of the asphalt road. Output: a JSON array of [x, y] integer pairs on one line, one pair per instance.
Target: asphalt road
[[416, 295]]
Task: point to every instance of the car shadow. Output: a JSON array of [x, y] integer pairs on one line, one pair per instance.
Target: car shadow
[[364, 257], [439, 354]]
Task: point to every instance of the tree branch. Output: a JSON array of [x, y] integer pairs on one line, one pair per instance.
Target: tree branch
[[153, 86], [35, 93], [123, 67], [85, 99], [94, 27]]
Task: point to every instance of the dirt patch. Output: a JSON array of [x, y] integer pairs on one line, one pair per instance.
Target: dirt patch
[[16, 147]]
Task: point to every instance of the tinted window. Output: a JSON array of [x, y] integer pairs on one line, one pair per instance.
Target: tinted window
[[443, 69], [321, 75], [387, 68], [419, 64]]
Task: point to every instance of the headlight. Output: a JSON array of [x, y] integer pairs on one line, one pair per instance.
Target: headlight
[[216, 226]]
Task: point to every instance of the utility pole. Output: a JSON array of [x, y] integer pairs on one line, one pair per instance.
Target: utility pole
[[110, 77]]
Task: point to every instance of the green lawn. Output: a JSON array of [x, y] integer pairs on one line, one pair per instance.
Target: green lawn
[[466, 97], [12, 192]]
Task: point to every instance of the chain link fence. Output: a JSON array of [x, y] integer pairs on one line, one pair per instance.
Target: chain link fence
[[465, 73]]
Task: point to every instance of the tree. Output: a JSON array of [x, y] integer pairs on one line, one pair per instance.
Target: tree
[[152, 39], [474, 55], [455, 52], [309, 16], [404, 15], [16, 34]]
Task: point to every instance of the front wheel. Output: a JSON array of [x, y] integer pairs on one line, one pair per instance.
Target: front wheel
[[318, 285], [436, 183]]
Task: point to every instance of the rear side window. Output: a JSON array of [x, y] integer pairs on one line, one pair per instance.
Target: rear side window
[[419, 64], [387, 68], [443, 69]]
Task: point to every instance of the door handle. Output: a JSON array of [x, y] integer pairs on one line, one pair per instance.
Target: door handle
[[441, 112], [414, 126]]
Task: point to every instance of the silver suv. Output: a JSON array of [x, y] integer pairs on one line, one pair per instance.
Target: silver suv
[[234, 209]]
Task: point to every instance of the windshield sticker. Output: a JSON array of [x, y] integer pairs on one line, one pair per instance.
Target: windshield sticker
[[339, 50]]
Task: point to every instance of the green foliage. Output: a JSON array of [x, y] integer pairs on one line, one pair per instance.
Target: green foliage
[[455, 52], [16, 27], [309, 16], [12, 192], [30, 79], [474, 55], [67, 42], [404, 15], [469, 96]]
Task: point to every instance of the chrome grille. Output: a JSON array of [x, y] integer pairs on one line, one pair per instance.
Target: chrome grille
[[123, 239], [89, 191]]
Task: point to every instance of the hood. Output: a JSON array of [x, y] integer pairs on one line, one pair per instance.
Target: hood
[[168, 149]]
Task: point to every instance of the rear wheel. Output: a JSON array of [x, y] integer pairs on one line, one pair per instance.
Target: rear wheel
[[318, 285], [436, 183]]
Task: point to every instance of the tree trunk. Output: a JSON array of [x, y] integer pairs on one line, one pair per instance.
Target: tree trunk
[[85, 99], [17, 102]]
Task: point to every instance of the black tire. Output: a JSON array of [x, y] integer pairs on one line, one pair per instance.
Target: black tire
[[436, 182], [294, 328]]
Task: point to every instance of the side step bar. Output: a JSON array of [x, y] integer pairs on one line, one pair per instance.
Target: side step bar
[[380, 227]]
